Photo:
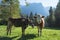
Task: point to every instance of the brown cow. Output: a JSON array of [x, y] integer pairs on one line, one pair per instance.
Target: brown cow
[[40, 25]]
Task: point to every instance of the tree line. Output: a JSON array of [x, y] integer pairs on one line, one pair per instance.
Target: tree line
[[53, 20]]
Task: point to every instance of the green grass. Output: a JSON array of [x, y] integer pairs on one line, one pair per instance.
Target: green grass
[[30, 34]]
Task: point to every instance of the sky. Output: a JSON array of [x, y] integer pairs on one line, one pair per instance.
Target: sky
[[45, 3]]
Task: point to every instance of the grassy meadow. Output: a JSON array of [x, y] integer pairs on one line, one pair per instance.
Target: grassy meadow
[[30, 34]]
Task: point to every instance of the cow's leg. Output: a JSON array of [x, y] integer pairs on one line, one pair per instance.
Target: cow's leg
[[7, 30], [32, 25], [9, 27], [23, 31], [40, 31], [41, 27]]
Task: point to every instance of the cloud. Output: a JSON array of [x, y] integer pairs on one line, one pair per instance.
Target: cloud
[[45, 3]]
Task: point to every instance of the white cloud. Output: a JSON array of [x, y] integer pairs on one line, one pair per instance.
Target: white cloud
[[45, 3]]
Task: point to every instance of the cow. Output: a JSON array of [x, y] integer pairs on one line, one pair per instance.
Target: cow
[[23, 22], [19, 22], [40, 25]]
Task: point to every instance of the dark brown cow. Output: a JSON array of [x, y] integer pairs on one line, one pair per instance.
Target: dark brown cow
[[20, 22]]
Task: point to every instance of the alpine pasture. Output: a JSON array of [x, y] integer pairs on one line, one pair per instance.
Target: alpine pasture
[[30, 34]]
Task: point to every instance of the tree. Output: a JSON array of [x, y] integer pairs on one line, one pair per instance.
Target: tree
[[51, 18], [57, 15], [14, 9], [31, 16], [9, 8], [4, 10]]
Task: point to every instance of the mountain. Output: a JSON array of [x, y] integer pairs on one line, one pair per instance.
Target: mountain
[[47, 9], [34, 8], [0, 1]]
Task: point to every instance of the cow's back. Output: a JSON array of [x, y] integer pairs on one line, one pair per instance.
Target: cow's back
[[16, 22]]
